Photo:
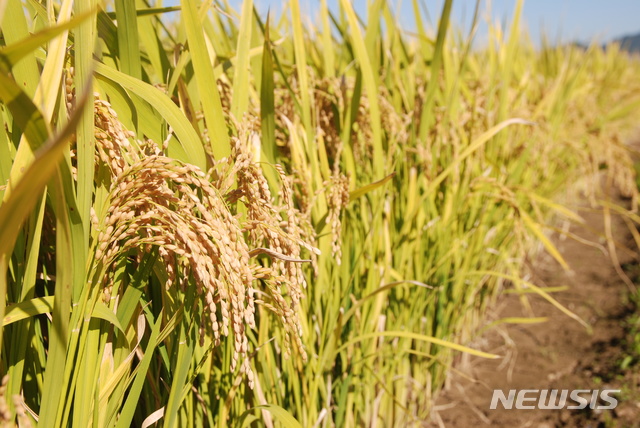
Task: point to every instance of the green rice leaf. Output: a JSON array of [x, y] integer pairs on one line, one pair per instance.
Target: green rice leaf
[[11, 54], [267, 101], [284, 417], [133, 397], [370, 85], [203, 70], [28, 308], [15, 209], [241, 76], [187, 136], [128, 44], [475, 145]]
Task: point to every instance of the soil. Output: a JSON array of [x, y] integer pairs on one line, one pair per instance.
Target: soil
[[559, 353]]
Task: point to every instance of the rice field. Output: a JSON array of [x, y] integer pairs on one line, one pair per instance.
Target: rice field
[[212, 217]]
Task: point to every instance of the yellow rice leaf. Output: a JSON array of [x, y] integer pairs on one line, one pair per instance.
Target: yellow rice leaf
[[542, 293], [420, 337], [369, 187], [557, 207], [520, 320], [537, 231]]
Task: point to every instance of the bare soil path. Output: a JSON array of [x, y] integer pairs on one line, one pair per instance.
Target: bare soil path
[[558, 354]]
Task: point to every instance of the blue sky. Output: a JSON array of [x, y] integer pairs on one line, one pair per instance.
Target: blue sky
[[561, 20]]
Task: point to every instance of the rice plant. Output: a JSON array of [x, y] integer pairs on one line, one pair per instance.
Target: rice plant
[[211, 217]]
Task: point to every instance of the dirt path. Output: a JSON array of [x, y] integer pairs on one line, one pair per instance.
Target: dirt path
[[558, 354]]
